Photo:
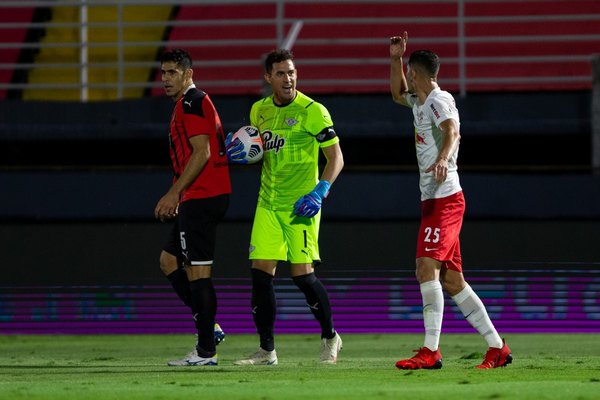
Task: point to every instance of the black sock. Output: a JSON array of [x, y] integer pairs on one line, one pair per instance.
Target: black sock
[[204, 309], [181, 284], [264, 307], [318, 302]]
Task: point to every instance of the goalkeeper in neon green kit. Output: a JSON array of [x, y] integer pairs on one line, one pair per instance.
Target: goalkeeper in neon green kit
[[294, 129]]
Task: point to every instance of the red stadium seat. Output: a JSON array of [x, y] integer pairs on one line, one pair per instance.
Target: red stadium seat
[[12, 34]]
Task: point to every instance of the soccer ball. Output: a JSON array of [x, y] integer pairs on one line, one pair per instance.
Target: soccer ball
[[253, 146]]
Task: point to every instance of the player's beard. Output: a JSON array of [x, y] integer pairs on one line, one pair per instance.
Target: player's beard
[[285, 95]]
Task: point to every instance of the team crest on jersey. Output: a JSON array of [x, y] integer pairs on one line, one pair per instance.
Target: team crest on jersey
[[272, 142], [290, 122]]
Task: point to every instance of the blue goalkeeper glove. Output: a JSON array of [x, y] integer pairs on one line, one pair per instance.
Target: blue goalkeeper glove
[[309, 205], [235, 150]]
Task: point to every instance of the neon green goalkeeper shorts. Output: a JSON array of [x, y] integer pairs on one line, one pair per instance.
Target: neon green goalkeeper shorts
[[283, 236]]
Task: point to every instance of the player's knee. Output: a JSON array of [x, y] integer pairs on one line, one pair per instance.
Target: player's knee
[[305, 281], [168, 263], [453, 286], [261, 279], [425, 275]]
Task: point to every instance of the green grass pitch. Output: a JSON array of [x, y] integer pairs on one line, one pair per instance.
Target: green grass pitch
[[545, 366]]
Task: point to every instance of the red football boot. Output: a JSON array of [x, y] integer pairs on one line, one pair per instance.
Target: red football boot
[[495, 358], [424, 359]]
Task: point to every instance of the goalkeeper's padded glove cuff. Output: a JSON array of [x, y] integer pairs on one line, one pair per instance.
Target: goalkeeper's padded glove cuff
[[322, 188]]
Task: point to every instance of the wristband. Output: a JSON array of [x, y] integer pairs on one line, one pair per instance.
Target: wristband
[[322, 188]]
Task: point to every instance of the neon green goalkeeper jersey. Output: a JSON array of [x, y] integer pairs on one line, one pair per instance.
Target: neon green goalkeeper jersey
[[292, 137]]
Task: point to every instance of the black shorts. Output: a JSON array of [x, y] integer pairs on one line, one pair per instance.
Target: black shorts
[[193, 234]]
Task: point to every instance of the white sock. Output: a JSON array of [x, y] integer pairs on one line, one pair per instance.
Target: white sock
[[474, 311], [433, 312]]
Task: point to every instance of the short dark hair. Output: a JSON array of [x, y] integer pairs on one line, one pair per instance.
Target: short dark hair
[[277, 56], [427, 60], [179, 57]]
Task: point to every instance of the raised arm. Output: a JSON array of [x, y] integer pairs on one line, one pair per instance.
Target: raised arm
[[398, 84]]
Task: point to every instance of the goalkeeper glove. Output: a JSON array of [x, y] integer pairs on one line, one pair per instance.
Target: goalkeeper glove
[[235, 150], [309, 205]]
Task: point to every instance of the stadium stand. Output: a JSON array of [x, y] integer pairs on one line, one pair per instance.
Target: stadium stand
[[51, 68], [13, 31], [226, 42], [56, 74], [341, 47], [504, 45]]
